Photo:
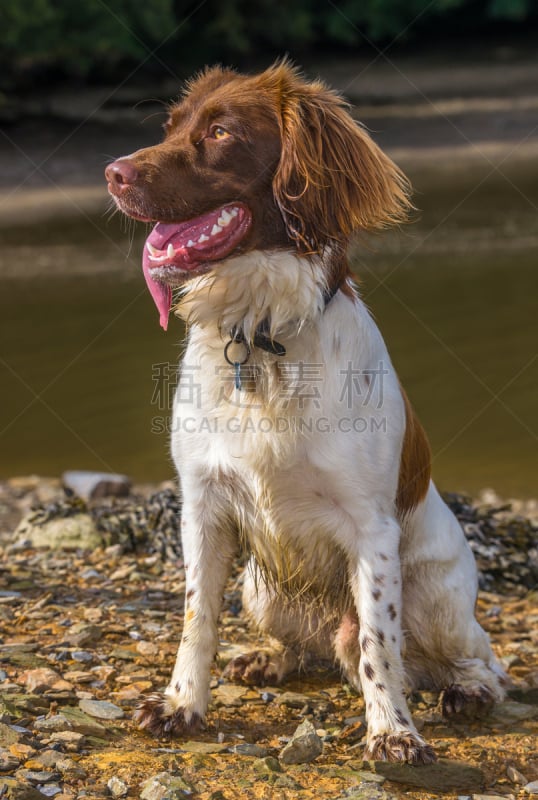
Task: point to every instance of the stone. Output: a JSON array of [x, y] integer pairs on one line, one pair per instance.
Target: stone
[[531, 788], [442, 776], [165, 786], [229, 695], [93, 485], [247, 749], [83, 723], [267, 764], [8, 736], [304, 746], [44, 679], [204, 748], [58, 722], [101, 709], [8, 761], [510, 711], [65, 533], [70, 740], [37, 776], [515, 776], [117, 788], [293, 700], [12, 789]]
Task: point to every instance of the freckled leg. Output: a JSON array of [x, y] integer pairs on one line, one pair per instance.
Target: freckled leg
[[376, 586], [208, 548]]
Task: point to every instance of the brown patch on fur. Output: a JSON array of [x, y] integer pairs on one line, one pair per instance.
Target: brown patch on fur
[[332, 178], [415, 463]]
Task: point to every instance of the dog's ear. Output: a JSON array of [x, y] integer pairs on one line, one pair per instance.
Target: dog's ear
[[332, 178]]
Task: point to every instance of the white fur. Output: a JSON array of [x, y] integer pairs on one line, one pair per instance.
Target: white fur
[[289, 471]]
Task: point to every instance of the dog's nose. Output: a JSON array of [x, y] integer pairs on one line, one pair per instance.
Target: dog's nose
[[121, 174]]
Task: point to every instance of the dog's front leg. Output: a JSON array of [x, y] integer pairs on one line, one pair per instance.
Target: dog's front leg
[[376, 585], [209, 546]]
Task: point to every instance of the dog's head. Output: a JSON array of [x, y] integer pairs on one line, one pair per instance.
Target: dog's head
[[267, 162]]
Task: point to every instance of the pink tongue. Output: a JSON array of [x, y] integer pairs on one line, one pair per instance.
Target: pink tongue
[[162, 294]]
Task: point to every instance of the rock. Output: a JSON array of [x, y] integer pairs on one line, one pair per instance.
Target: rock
[[267, 764], [147, 649], [93, 485], [204, 748], [8, 736], [117, 788], [293, 700], [101, 709], [247, 749], [68, 533], [229, 695], [70, 740], [44, 679], [83, 723], [489, 797], [165, 786], [515, 776], [510, 712], [8, 761], [12, 789], [303, 747], [531, 788], [58, 722], [442, 776], [37, 776]]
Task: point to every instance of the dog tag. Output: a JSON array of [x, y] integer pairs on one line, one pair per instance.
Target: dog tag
[[237, 377]]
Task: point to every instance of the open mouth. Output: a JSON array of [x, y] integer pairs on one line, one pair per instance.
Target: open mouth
[[173, 252]]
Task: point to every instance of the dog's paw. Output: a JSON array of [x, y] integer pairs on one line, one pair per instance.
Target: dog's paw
[[158, 715], [258, 668], [404, 746], [468, 702]]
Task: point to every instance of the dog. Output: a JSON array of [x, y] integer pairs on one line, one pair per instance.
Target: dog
[[291, 433]]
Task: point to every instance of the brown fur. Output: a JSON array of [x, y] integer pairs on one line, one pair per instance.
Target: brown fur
[[415, 463]]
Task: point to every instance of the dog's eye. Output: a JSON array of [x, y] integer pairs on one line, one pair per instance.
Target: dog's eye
[[217, 132]]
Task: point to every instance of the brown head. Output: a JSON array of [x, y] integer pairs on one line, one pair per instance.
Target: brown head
[[255, 162]]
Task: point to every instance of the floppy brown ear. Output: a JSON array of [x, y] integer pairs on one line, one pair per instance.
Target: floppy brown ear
[[332, 178]]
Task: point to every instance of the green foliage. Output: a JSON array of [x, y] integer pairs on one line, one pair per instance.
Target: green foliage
[[93, 36], [78, 36]]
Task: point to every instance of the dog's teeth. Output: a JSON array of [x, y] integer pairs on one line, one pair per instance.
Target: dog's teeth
[[234, 212], [151, 249], [215, 229], [170, 252], [190, 243], [226, 217], [157, 259], [203, 239]]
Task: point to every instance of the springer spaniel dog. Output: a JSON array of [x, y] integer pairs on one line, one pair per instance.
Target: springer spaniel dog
[[292, 436]]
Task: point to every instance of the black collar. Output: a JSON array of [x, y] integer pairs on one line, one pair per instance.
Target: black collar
[[262, 337]]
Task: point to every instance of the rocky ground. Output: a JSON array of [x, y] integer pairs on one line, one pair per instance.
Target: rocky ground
[[85, 631]]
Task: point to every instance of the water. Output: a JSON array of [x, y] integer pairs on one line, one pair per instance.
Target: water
[[455, 297]]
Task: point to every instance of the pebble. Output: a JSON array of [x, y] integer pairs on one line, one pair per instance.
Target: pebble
[[165, 786], [43, 679], [70, 740], [117, 788], [304, 746], [515, 775], [267, 764], [293, 700], [58, 722], [247, 749], [442, 776], [531, 788], [101, 709]]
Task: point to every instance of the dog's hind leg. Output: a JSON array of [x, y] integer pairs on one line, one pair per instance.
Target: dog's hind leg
[[297, 633], [446, 648]]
